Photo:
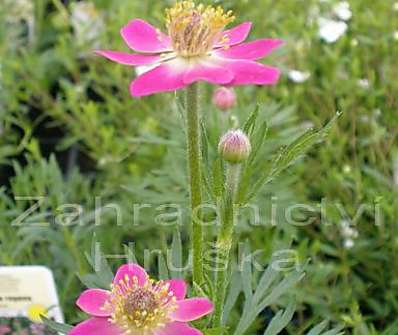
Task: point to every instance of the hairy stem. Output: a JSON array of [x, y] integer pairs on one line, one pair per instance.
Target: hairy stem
[[195, 178], [224, 241]]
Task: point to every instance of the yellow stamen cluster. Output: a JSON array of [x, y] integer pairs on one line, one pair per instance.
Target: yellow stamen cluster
[[140, 309], [195, 28]]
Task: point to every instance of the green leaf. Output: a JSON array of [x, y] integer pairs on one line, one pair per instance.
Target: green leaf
[[336, 331], [281, 320], [216, 331], [290, 154], [250, 123], [317, 330], [208, 288], [199, 291], [102, 276], [258, 140], [247, 273], [176, 256], [218, 178], [129, 251], [235, 288], [266, 294], [162, 268], [288, 282], [268, 277], [392, 329]]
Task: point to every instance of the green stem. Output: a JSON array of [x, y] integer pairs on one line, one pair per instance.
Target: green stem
[[195, 178], [224, 241]]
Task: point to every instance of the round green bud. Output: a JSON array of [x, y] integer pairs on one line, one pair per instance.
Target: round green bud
[[234, 146]]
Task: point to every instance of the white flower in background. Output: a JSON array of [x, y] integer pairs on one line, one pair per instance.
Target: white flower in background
[[364, 83], [87, 22], [396, 35], [347, 230], [331, 30], [298, 76], [348, 233], [396, 6], [343, 11], [349, 243]]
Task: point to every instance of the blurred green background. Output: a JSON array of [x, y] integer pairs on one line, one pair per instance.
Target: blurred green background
[[70, 131]]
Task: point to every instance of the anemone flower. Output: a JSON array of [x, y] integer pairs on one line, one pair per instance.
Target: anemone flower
[[195, 48], [137, 305]]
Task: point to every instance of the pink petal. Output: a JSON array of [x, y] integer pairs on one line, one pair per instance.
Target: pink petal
[[139, 35], [95, 326], [235, 35], [212, 73], [163, 78], [92, 302], [178, 328], [178, 287], [249, 72], [192, 309], [130, 271], [128, 59], [252, 50]]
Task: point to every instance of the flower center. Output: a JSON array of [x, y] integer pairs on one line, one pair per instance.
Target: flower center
[[194, 29], [139, 302], [140, 309]]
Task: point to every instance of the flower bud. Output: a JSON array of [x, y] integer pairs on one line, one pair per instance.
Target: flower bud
[[224, 98], [234, 146]]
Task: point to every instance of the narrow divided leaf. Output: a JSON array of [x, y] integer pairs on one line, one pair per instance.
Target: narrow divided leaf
[[281, 320]]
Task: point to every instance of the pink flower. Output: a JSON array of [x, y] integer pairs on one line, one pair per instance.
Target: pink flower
[[196, 48], [137, 305], [224, 98]]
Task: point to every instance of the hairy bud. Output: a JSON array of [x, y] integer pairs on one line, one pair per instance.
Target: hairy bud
[[224, 98], [234, 146]]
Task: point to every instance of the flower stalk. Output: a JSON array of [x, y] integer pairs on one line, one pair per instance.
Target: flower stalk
[[224, 241], [234, 148], [195, 177]]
